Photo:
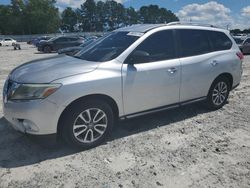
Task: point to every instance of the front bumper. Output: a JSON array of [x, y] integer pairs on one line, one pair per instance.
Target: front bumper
[[36, 117]]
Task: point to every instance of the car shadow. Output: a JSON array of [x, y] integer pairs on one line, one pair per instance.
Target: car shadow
[[45, 52], [17, 149]]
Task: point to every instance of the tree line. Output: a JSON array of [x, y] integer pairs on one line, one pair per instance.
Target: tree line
[[238, 31], [42, 16]]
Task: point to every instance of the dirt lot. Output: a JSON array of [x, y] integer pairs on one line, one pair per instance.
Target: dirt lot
[[185, 147]]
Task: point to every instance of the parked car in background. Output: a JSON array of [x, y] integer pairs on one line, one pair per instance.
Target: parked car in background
[[245, 46], [132, 71], [75, 49], [56, 43], [7, 42], [238, 40], [37, 40]]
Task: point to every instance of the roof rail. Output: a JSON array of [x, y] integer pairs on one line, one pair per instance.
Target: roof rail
[[191, 23]]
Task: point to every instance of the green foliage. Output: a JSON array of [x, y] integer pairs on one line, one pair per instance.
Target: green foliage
[[153, 14], [238, 31], [29, 17], [69, 19], [41, 16], [110, 15]]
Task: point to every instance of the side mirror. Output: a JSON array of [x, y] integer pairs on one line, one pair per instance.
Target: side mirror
[[138, 56]]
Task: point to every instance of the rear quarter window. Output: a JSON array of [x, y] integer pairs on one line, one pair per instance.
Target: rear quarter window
[[193, 42], [219, 40]]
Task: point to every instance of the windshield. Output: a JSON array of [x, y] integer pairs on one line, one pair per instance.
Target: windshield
[[108, 47], [52, 39], [87, 43]]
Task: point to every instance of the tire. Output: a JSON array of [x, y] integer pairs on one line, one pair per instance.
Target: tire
[[80, 131], [218, 93], [0, 44], [47, 49]]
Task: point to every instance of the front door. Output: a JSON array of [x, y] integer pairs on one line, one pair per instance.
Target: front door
[[152, 78]]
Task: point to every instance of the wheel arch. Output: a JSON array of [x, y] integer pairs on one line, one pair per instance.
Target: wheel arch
[[102, 97], [226, 75]]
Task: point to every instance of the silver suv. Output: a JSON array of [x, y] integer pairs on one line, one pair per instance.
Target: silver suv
[[129, 72]]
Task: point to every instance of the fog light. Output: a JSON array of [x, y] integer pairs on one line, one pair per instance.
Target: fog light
[[30, 126]]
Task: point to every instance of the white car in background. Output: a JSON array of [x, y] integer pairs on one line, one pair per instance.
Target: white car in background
[[7, 42]]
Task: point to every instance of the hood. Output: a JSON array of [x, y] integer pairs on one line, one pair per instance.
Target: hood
[[43, 41], [50, 69]]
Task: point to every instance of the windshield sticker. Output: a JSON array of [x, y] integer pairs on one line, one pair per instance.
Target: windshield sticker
[[137, 34]]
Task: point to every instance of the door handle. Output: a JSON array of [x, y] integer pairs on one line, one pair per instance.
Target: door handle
[[172, 70], [214, 63]]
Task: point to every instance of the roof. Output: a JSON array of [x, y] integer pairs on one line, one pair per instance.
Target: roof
[[142, 28]]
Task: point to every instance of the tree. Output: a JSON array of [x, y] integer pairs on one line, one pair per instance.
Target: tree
[[88, 18], [41, 16], [29, 17], [69, 19], [152, 14], [5, 19], [131, 16]]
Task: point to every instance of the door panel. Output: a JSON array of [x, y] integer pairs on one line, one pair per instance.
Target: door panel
[[150, 85], [203, 56], [197, 74], [151, 74]]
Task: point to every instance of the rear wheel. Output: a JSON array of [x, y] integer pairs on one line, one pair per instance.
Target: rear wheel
[[218, 93], [87, 124]]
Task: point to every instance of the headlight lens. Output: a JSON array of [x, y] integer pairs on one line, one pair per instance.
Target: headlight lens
[[33, 91]]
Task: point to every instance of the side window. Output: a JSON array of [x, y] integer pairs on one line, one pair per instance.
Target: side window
[[61, 40], [7, 39], [157, 47], [193, 42], [219, 40]]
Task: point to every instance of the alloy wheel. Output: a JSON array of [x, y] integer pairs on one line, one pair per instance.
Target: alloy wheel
[[90, 125], [219, 93]]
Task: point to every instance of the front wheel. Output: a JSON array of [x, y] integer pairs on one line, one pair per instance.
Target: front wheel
[[218, 94], [87, 124], [47, 49]]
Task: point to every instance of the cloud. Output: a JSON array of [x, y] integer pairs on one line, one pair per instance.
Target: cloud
[[211, 12], [69, 3], [245, 11], [216, 14]]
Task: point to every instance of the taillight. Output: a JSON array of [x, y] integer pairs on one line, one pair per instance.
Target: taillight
[[240, 55]]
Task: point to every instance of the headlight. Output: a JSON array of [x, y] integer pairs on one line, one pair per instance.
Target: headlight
[[32, 91]]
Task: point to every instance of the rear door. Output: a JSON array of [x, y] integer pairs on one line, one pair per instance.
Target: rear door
[[73, 42], [194, 49], [60, 43], [154, 81], [202, 57]]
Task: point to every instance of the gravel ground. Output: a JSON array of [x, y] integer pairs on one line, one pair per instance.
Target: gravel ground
[[184, 147]]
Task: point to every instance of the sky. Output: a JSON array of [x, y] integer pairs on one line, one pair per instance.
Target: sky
[[224, 13]]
